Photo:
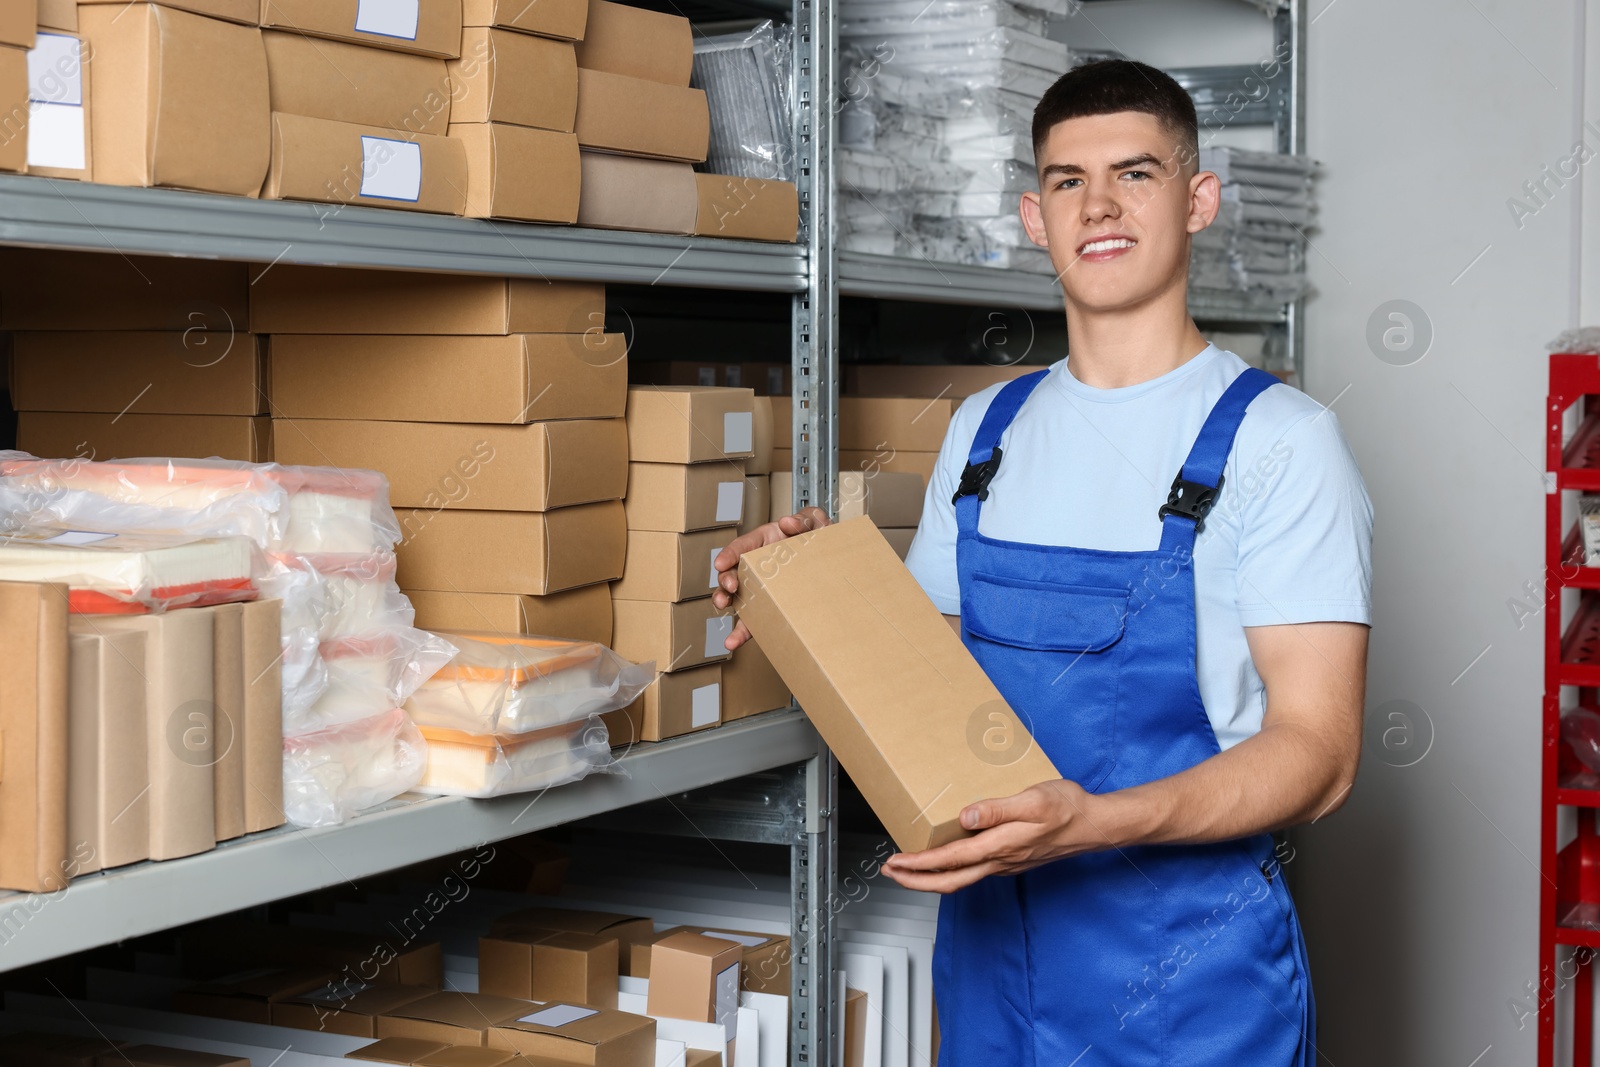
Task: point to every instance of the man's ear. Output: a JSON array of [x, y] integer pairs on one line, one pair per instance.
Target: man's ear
[[1205, 199], [1033, 219]]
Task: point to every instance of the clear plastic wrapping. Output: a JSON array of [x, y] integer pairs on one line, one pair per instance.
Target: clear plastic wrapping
[[331, 774], [746, 78], [478, 765], [382, 668], [131, 573], [881, 18]]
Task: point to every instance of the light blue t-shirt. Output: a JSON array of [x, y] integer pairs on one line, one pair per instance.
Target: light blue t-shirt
[[1288, 541]]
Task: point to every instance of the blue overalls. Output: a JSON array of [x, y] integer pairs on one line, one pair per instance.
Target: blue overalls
[[1154, 955]]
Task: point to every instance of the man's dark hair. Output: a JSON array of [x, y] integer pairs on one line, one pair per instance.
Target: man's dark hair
[[1106, 86]]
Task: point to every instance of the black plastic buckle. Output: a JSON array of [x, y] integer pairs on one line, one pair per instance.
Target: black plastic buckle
[[1191, 500], [975, 477]]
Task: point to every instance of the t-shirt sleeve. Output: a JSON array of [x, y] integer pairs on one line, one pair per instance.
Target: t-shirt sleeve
[[932, 558], [1305, 538]]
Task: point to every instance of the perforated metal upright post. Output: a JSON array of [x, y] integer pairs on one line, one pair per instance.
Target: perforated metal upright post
[[1289, 35]]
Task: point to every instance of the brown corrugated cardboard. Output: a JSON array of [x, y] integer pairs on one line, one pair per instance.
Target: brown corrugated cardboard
[[14, 117], [887, 459], [550, 965], [631, 931], [345, 163], [623, 39], [357, 958], [746, 208], [452, 1018], [69, 435], [464, 1056], [426, 27], [513, 551], [909, 424], [689, 424], [899, 538], [246, 12], [262, 731], [757, 501], [148, 373], [354, 83], [18, 20], [34, 854], [577, 614], [249, 997], [59, 145], [782, 459], [625, 193], [58, 15], [674, 636], [162, 1056], [681, 497], [538, 467], [636, 117], [673, 705], [702, 1057], [514, 172], [396, 1050], [130, 293], [695, 977], [108, 774], [228, 720], [670, 566], [346, 1007], [517, 379], [513, 77], [888, 498], [764, 967], [176, 99], [888, 684], [855, 1028], [569, 1033], [751, 684], [952, 382], [764, 429], [295, 299], [624, 726], [564, 19], [767, 379]]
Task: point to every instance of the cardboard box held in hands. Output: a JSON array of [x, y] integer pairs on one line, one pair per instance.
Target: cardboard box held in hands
[[910, 714]]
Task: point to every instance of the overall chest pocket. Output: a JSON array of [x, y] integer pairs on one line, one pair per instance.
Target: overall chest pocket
[[1044, 616]]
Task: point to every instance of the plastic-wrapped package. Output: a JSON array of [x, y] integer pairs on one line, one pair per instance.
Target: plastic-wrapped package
[[374, 670], [131, 573], [1255, 248], [335, 511], [862, 171], [746, 78], [484, 765], [354, 594], [331, 774], [880, 18], [507, 684]]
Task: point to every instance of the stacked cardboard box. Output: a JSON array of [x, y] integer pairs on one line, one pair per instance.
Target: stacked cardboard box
[[893, 500], [57, 127], [883, 433], [495, 409]]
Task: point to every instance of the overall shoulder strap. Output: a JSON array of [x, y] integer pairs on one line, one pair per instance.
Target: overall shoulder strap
[[983, 459], [1195, 489]]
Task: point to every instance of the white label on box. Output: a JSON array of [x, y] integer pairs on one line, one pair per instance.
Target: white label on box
[[742, 939], [83, 537], [391, 170], [732, 376], [715, 552], [705, 705], [738, 431], [388, 18], [56, 136], [705, 375], [559, 1015], [55, 70], [730, 501], [728, 996], [718, 630]]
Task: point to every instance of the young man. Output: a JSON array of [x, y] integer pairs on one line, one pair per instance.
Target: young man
[[1162, 559]]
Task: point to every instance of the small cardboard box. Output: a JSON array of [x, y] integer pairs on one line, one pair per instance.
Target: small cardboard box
[[909, 424], [350, 1008], [888, 684], [627, 193], [248, 997], [464, 1056], [874, 461], [14, 117], [673, 705], [571, 1033], [514, 172], [550, 965], [782, 459], [578, 614], [673, 636], [683, 497], [346, 163], [690, 424], [953, 382], [514, 77], [244, 12], [764, 964], [73, 435], [747, 208], [855, 1028], [538, 467], [695, 977], [176, 99], [161, 1056], [262, 730], [624, 39], [702, 1057], [451, 1018], [227, 720], [58, 15], [765, 429], [58, 108], [147, 373], [670, 566], [356, 957], [631, 931], [757, 501], [130, 293], [751, 684], [513, 551], [899, 538], [108, 773], [426, 27], [404, 1050], [636, 117], [517, 379], [888, 498], [17, 23], [33, 722], [296, 299], [562, 19], [356, 83]]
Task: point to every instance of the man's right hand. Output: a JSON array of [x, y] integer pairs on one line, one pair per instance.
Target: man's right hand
[[727, 561]]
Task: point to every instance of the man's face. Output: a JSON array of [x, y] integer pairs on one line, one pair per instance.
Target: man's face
[[1117, 201]]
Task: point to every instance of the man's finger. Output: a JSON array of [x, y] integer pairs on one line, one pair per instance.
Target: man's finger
[[741, 634], [963, 853]]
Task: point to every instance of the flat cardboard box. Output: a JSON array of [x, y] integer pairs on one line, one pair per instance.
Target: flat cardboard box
[[888, 498], [350, 1008], [34, 855], [262, 732], [346, 163], [514, 172], [562, 19], [954, 382], [628, 193], [689, 424], [228, 720], [578, 614], [671, 566], [162, 1056], [573, 1034], [899, 538], [59, 145], [108, 774], [18, 20], [695, 977], [58, 15], [553, 965], [682, 497], [675, 704], [751, 684], [633, 932], [757, 502], [176, 99], [425, 27], [452, 1018], [673, 636], [782, 459], [296, 299], [226, 945], [765, 428], [356, 83], [764, 965], [477, 466], [130, 293], [512, 551], [464, 1056], [404, 1050], [245, 12], [248, 998], [14, 99], [636, 117], [750, 209], [522, 378], [73, 435], [624, 39], [146, 372], [888, 684], [909, 424], [504, 76], [878, 460]]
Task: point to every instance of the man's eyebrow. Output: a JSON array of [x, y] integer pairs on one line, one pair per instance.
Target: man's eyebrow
[[1061, 168], [1144, 160]]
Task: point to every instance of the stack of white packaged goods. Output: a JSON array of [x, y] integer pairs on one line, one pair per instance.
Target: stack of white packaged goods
[[1256, 249], [351, 656]]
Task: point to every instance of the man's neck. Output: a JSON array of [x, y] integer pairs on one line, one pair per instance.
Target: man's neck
[[1113, 349]]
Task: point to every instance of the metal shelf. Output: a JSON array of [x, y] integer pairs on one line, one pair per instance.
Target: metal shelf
[[901, 278], [1217, 307], [48, 213], [101, 909]]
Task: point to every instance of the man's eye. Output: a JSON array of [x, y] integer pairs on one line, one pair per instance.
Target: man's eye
[[1070, 183], [1135, 174]]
